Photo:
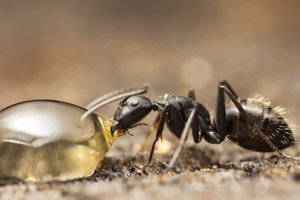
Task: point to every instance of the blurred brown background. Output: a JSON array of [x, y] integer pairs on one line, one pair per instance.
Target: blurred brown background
[[77, 50]]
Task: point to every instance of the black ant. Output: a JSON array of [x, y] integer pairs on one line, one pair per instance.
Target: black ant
[[250, 123]]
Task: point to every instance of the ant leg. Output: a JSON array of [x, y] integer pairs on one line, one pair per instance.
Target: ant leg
[[225, 83], [221, 124], [217, 136], [196, 135], [155, 125], [192, 94], [159, 131], [251, 124], [183, 137]]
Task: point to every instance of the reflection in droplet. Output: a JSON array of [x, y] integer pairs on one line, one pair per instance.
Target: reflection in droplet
[[45, 140], [196, 72]]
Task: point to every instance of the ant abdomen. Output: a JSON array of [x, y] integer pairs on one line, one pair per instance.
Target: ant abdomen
[[270, 121]]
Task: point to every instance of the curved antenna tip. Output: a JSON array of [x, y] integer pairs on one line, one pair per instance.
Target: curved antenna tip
[[113, 96]]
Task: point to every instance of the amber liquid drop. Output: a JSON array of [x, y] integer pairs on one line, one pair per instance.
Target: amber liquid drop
[[65, 156]]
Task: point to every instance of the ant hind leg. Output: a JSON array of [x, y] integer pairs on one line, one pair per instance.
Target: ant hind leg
[[192, 94], [251, 124]]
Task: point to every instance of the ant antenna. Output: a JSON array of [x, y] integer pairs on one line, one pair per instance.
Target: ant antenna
[[114, 93], [113, 96]]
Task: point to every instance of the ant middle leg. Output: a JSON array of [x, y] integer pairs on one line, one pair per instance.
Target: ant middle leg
[[183, 137]]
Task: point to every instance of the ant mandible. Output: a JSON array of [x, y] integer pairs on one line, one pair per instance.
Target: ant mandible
[[251, 123]]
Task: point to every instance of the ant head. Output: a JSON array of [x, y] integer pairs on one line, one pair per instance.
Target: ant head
[[130, 111]]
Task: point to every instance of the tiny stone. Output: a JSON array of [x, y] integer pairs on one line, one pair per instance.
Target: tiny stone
[[246, 167]]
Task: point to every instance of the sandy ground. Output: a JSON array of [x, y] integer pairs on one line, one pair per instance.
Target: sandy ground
[[75, 51], [198, 174]]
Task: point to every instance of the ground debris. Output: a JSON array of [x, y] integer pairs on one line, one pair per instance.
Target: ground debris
[[195, 171]]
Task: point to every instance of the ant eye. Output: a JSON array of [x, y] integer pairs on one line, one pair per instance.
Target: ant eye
[[134, 103]]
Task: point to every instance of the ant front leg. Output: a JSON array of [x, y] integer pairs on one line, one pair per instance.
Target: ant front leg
[[159, 131], [153, 128]]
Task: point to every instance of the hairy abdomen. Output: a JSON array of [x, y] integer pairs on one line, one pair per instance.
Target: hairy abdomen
[[270, 121]]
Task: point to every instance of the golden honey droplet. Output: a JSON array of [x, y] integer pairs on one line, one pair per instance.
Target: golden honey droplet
[[46, 141]]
